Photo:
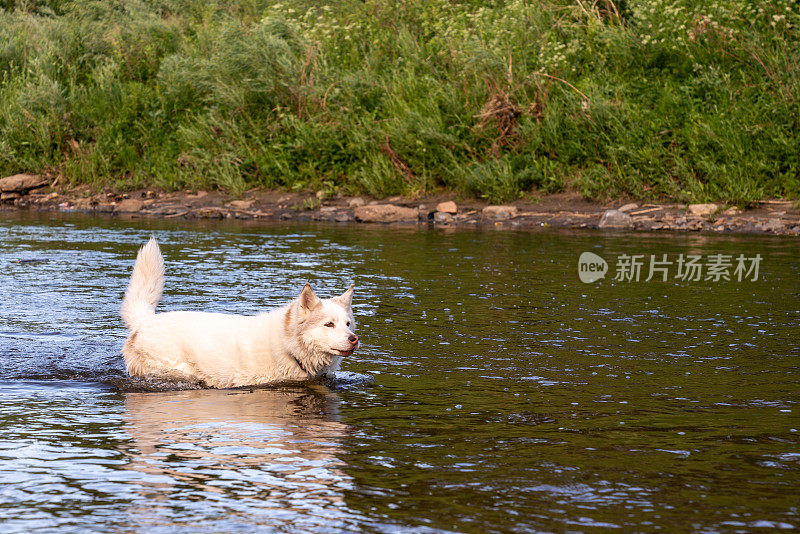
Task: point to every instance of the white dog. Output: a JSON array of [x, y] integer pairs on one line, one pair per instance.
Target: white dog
[[305, 339]]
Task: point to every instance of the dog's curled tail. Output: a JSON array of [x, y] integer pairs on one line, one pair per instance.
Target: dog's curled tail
[[146, 285]]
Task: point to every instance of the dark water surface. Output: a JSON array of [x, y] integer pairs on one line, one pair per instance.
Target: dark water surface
[[495, 392]]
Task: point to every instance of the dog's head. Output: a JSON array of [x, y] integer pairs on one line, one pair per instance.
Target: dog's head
[[327, 325]]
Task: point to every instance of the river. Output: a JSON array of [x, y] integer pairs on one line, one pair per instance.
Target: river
[[494, 390]]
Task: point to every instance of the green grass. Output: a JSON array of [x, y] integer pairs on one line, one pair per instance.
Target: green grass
[[651, 99]]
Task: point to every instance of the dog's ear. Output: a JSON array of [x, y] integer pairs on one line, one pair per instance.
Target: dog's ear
[[346, 298], [307, 300]]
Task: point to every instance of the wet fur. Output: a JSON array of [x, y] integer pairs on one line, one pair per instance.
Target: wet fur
[[291, 343]]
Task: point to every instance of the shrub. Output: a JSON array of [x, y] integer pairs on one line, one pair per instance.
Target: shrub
[[650, 98]]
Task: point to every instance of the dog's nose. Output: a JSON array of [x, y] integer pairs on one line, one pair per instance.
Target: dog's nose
[[353, 339]]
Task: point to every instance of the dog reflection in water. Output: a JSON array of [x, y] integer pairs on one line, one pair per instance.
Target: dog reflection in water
[[246, 454]]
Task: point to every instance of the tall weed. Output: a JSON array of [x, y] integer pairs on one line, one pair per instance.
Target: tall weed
[[674, 99]]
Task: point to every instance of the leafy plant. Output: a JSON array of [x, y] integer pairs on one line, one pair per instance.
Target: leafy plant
[[679, 99]]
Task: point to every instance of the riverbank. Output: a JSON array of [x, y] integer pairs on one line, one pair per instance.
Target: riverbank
[[691, 101], [562, 210]]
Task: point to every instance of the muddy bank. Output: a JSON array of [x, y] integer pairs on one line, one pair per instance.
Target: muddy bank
[[567, 210]]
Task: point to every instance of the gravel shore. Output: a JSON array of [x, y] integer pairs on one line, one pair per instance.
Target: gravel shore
[[566, 210]]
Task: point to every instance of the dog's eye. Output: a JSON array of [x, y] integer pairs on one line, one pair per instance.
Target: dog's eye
[[329, 325], [348, 323]]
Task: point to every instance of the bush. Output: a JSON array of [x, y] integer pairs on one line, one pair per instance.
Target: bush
[[672, 99]]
